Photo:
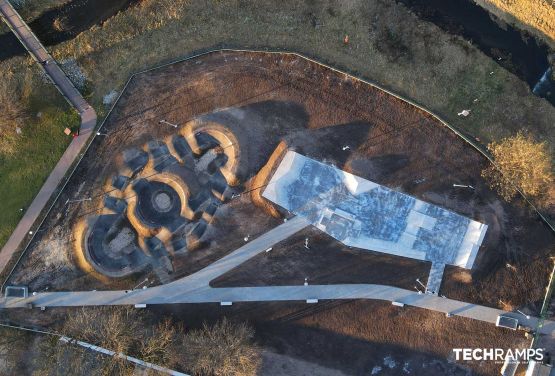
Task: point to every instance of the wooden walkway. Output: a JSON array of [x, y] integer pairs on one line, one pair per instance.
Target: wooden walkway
[[88, 123]]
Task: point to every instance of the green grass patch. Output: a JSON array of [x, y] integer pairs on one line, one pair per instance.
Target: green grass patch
[[22, 174]]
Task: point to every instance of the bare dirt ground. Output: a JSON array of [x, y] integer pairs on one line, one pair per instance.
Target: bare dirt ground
[[334, 338], [274, 364], [327, 261], [265, 99], [356, 337]]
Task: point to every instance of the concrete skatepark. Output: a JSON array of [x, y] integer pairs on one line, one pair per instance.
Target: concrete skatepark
[[160, 203], [132, 231], [196, 288], [366, 215], [156, 196], [159, 207]]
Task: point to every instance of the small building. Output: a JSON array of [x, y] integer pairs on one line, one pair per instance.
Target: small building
[[506, 322]]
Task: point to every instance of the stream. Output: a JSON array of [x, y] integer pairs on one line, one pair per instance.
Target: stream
[[515, 51], [65, 22]]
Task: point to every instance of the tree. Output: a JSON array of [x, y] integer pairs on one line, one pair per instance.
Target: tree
[[123, 330], [224, 349], [521, 163], [14, 345], [159, 346], [112, 328]]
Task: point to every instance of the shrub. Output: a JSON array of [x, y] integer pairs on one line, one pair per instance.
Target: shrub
[[521, 163]]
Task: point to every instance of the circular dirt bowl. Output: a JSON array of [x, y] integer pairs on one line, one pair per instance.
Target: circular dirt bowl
[[158, 204]]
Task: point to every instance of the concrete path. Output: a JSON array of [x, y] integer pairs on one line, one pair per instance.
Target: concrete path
[[435, 277], [196, 289], [88, 122]]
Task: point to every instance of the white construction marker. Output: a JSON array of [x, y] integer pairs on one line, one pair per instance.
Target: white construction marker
[[464, 113], [168, 123], [463, 186]]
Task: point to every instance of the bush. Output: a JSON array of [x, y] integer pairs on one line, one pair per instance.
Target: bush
[[521, 163], [120, 329]]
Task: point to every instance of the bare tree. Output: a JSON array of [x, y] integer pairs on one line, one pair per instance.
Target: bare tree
[[224, 349], [13, 347], [58, 358], [160, 343], [122, 330], [113, 328], [519, 162]]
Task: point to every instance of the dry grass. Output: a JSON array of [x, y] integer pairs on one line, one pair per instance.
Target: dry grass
[[20, 78], [388, 44], [534, 16], [14, 345], [148, 15], [13, 115]]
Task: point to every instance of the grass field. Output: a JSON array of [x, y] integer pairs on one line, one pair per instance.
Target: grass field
[[23, 172], [387, 44], [26, 159]]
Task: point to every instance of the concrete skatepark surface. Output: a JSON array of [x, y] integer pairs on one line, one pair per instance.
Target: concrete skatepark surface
[[264, 99], [337, 222], [163, 198], [366, 215]]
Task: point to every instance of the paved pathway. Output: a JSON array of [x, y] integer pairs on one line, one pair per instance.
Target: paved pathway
[[88, 122], [196, 289]]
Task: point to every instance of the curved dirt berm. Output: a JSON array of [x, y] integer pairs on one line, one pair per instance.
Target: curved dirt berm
[[227, 142]]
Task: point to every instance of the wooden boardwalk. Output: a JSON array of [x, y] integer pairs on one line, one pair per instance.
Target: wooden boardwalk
[[88, 123]]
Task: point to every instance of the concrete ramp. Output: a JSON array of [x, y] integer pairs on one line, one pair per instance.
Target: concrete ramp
[[435, 277]]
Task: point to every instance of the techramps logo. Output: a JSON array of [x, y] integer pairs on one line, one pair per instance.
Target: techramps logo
[[498, 355]]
